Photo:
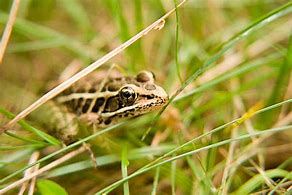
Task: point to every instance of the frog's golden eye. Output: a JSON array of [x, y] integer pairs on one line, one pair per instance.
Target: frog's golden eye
[[127, 95]]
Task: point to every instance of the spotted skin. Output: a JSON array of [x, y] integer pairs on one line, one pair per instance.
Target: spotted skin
[[97, 105]]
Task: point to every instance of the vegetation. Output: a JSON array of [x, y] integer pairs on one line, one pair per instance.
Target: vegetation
[[226, 66]]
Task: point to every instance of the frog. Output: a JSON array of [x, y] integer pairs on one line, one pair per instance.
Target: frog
[[101, 102]]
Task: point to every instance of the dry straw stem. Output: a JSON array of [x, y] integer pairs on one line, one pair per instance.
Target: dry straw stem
[[34, 157], [232, 147], [8, 28], [156, 25], [270, 183], [43, 169], [33, 181]]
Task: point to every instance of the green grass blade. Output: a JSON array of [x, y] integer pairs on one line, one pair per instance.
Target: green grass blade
[[138, 15], [173, 177], [32, 30], [258, 180], [25, 139], [285, 164], [134, 51], [138, 46], [200, 174], [244, 68], [15, 157], [121, 21], [2, 147], [279, 90], [77, 12], [136, 154], [50, 139], [155, 181], [61, 151], [48, 187], [177, 42], [35, 45], [124, 165]]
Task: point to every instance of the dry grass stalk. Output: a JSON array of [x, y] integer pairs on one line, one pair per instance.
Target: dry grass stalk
[[43, 169], [8, 28], [34, 157]]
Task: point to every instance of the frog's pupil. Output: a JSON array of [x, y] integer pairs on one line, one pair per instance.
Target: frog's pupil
[[127, 94]]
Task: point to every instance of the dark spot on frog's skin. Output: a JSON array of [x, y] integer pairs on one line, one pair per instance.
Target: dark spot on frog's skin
[[112, 104], [73, 104], [113, 87], [86, 106], [150, 87], [131, 110], [92, 90], [107, 121], [149, 97], [76, 105], [98, 103], [79, 102], [128, 79]]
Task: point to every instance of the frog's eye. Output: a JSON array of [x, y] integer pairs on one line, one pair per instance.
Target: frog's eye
[[127, 95], [145, 76]]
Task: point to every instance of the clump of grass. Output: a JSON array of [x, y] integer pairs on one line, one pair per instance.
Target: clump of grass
[[226, 129]]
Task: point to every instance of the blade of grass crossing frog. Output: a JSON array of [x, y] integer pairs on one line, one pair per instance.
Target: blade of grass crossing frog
[[50, 139], [25, 139]]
